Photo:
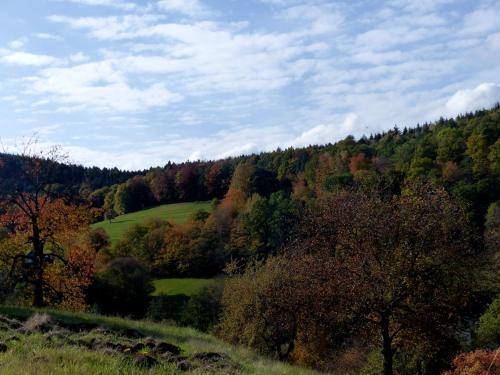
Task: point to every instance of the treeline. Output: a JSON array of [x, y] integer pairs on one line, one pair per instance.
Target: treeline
[[460, 154], [68, 178], [258, 199]]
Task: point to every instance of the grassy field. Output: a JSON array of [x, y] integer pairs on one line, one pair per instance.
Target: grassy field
[[178, 213], [43, 353], [187, 287]]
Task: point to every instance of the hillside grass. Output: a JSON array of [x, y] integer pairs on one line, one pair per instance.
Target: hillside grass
[[177, 212], [188, 287], [31, 354]]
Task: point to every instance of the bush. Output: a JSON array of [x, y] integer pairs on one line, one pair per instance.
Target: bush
[[259, 309], [204, 308], [488, 330], [123, 288], [478, 362], [166, 307]]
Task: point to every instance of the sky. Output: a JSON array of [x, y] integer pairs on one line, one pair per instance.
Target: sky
[[136, 83]]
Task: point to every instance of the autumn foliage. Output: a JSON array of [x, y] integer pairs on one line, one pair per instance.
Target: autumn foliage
[[479, 362]]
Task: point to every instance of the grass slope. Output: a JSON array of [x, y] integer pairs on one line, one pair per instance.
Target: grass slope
[[188, 287], [34, 354], [177, 212]]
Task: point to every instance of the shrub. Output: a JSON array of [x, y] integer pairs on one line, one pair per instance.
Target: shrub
[[258, 309], [123, 288], [166, 307], [479, 362], [488, 330], [204, 308]]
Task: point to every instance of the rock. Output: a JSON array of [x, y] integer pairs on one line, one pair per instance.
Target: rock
[[216, 362], [168, 357], [208, 357], [11, 323], [3, 347], [185, 366], [164, 347], [80, 327], [132, 333], [144, 361]]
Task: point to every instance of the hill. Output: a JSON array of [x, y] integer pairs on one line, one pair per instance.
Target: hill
[[54, 342], [177, 212]]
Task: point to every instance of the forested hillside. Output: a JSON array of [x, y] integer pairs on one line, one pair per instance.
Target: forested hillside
[[365, 256], [260, 197], [460, 154]]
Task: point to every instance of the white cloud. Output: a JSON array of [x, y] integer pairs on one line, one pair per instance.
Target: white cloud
[[322, 134], [98, 87], [322, 18], [48, 36], [208, 55], [79, 57], [191, 8], [482, 20], [17, 44], [109, 28], [482, 96], [111, 3], [28, 59], [9, 98]]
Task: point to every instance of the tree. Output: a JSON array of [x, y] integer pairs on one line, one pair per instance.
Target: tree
[[189, 184], [132, 196], [359, 162], [162, 183], [144, 241], [122, 288], [33, 210], [477, 149], [488, 329], [98, 239], [481, 362], [402, 266], [110, 215], [268, 223], [218, 179], [450, 145], [494, 157], [258, 309]]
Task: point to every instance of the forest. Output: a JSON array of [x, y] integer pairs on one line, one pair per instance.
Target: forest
[[366, 256]]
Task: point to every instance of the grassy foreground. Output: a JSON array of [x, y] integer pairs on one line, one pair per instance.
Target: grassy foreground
[[34, 354], [188, 287], [177, 212]]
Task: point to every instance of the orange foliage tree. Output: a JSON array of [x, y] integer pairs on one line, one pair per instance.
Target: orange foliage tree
[[49, 225], [479, 362]]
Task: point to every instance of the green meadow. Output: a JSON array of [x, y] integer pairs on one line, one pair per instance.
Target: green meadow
[[188, 287], [178, 213]]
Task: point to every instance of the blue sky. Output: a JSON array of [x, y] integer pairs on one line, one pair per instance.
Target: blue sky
[[135, 83]]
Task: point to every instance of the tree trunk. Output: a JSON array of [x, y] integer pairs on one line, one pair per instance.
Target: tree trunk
[[387, 350], [38, 250], [38, 293]]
